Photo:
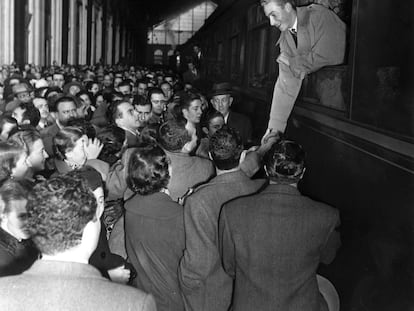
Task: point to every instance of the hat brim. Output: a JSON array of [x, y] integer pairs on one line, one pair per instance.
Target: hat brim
[[223, 92]]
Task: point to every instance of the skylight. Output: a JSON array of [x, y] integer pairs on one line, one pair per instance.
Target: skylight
[[178, 30]]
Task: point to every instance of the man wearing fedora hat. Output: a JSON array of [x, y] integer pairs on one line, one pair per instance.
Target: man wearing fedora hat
[[222, 99]]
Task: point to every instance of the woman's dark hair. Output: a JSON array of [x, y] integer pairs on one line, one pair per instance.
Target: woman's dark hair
[[112, 138], [25, 136], [210, 115], [148, 170], [10, 152], [65, 141], [13, 189], [86, 126], [90, 84]]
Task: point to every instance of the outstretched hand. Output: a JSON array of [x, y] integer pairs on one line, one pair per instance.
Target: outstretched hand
[[93, 148], [268, 139]]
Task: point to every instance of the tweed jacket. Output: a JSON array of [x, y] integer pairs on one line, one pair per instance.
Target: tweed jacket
[[187, 171], [204, 283], [58, 285], [154, 237], [271, 244]]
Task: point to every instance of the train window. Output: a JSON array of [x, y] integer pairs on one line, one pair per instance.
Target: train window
[[383, 66], [258, 76], [257, 45], [329, 86], [234, 59]]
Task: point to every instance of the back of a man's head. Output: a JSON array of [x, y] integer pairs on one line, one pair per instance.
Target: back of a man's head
[[58, 211], [285, 162], [173, 136], [225, 148]]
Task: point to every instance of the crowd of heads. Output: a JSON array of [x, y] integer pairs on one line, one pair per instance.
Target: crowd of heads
[[93, 111]]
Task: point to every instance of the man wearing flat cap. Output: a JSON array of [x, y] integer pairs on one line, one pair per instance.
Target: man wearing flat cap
[[222, 99]]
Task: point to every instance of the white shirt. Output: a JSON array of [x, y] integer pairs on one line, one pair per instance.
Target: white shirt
[[295, 26]]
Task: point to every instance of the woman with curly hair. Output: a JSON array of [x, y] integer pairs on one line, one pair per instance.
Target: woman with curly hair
[[154, 228]]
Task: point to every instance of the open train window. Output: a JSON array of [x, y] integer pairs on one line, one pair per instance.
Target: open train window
[[329, 86]]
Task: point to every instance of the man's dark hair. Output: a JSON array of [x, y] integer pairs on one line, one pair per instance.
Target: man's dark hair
[[184, 102], [113, 113], [141, 101], [141, 81], [154, 90], [53, 89], [285, 161], [55, 101], [30, 113], [225, 147], [148, 170], [125, 83], [173, 135], [58, 210]]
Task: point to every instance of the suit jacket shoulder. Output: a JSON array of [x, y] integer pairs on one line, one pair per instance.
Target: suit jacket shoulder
[[69, 286]]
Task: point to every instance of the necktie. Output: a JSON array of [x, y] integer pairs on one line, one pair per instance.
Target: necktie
[[294, 36]]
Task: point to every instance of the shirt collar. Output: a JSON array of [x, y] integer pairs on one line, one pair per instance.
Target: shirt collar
[[295, 25]]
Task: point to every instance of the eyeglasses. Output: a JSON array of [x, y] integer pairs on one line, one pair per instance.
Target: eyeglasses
[[224, 100]]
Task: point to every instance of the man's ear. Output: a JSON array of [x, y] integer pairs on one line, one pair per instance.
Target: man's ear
[[230, 101], [288, 7], [118, 122], [205, 130], [54, 115], [26, 122]]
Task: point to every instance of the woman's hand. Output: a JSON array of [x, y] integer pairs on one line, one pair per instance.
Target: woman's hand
[[93, 149]]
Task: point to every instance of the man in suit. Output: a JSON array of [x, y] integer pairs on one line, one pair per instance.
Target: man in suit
[[186, 170], [272, 242], [204, 284], [125, 116], [311, 37], [222, 99], [192, 74], [63, 108], [63, 221]]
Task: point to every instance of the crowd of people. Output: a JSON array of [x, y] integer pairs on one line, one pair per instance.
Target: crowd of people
[[127, 188]]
